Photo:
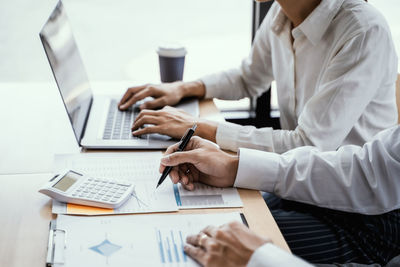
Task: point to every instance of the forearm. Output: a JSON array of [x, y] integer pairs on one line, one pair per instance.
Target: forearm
[[227, 85], [192, 89], [232, 136], [353, 179]]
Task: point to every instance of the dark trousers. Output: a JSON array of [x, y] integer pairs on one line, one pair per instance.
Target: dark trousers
[[321, 235]]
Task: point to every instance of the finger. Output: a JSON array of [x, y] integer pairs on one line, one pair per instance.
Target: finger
[[178, 158], [138, 96], [156, 103], [161, 168], [147, 112], [171, 149], [211, 245], [147, 119], [210, 230], [196, 253], [147, 130], [194, 240], [128, 94], [174, 176], [183, 178], [190, 186], [195, 174], [184, 168]]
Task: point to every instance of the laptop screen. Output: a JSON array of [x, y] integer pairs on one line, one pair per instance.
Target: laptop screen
[[68, 70]]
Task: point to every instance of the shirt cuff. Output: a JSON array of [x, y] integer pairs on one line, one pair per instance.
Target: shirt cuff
[[257, 170], [211, 84], [270, 255], [227, 135]]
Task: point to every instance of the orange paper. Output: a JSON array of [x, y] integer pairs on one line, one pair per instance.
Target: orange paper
[[87, 210]]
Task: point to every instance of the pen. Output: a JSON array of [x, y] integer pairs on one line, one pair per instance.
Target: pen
[[184, 141]]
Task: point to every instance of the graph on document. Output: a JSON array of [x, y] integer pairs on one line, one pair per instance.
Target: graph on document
[[205, 196], [170, 244]]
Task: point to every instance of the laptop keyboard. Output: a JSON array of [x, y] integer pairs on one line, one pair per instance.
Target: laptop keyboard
[[119, 123]]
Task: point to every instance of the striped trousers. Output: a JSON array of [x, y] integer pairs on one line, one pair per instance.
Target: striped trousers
[[321, 235]]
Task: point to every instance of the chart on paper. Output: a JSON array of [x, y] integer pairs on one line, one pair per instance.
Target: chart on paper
[[140, 168], [205, 196], [170, 243], [139, 240]]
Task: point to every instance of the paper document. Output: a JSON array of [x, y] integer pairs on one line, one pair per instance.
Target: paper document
[[140, 168], [137, 240], [205, 196]]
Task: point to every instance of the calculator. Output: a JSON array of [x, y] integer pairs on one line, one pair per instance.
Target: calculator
[[72, 187]]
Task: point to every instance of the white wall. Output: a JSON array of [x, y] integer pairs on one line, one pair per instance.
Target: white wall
[[118, 38]]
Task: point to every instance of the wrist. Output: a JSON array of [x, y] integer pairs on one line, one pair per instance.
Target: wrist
[[233, 167], [207, 129], [193, 89]]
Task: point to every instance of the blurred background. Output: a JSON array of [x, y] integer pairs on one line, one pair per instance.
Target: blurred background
[[118, 41]]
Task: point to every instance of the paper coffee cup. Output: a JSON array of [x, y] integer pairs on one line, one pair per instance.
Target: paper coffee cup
[[172, 61]]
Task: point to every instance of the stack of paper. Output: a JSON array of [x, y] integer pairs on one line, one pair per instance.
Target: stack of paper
[[141, 168]]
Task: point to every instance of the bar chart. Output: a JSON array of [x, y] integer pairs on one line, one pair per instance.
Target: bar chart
[[171, 244]]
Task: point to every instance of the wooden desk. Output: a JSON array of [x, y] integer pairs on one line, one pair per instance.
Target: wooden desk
[[25, 215]]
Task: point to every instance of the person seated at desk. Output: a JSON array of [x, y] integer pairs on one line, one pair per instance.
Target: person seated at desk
[[338, 206], [235, 245], [335, 67]]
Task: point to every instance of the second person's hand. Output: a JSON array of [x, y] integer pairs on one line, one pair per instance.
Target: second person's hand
[[202, 161], [168, 121], [172, 122]]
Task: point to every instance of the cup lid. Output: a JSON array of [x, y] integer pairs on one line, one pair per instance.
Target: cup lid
[[171, 50]]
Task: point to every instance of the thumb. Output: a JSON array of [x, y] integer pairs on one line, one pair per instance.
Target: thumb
[[178, 158]]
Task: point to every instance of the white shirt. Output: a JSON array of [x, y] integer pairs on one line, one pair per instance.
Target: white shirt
[[335, 83], [356, 179], [270, 255]]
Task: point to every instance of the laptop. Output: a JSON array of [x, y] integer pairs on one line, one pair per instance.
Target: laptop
[[96, 120]]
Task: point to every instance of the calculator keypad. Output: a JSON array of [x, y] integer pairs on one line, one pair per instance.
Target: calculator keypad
[[100, 190]]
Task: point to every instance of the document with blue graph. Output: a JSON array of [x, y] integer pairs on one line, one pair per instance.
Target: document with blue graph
[[129, 240]]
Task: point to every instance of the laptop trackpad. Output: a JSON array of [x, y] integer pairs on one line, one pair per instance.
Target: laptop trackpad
[[160, 137]]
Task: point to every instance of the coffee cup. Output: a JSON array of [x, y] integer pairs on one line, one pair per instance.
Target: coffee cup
[[172, 61]]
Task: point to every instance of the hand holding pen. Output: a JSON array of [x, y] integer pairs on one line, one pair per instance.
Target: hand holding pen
[[201, 161], [181, 146]]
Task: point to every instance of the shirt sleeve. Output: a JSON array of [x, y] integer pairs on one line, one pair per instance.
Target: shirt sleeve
[[351, 80], [353, 179], [253, 77], [270, 255]]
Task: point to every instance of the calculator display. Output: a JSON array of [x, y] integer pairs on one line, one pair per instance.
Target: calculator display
[[67, 181]]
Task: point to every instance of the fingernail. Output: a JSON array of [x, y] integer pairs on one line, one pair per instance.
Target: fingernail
[[185, 247], [134, 132], [165, 158]]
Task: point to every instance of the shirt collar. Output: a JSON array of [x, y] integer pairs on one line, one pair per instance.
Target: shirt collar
[[315, 25]]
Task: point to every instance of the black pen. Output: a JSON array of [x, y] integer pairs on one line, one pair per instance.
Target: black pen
[[182, 144]]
